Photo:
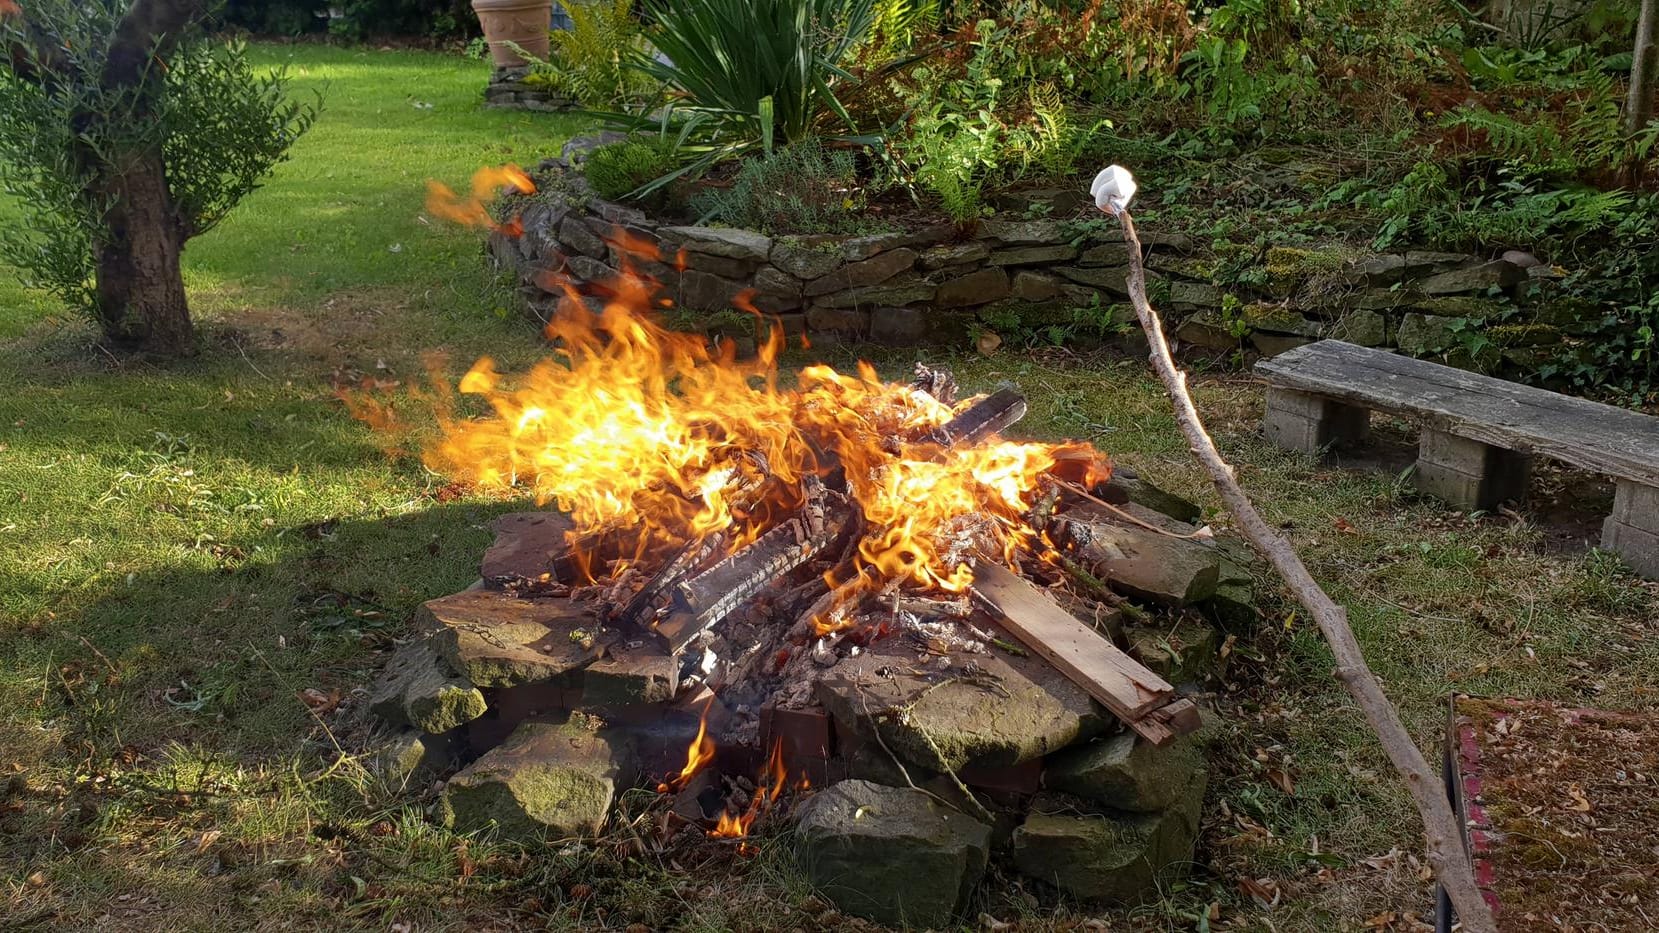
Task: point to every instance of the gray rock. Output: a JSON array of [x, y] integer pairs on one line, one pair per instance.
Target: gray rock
[[409, 755], [494, 639], [892, 855], [1032, 710], [1106, 254], [631, 676], [1521, 258], [1274, 344], [1023, 232], [853, 322], [1033, 255], [903, 290], [577, 237], [544, 781], [975, 288], [1419, 263], [525, 547], [1121, 858], [899, 326], [1383, 299], [1126, 772], [1189, 296], [1495, 274], [1207, 329], [1277, 319], [778, 285], [617, 215], [1142, 563], [1133, 488], [419, 689], [954, 254], [703, 291], [873, 271], [859, 248], [1470, 306], [1366, 328], [1379, 270], [1113, 279], [722, 241], [807, 257], [1185, 653], [1035, 286], [587, 269], [723, 266], [1421, 334]]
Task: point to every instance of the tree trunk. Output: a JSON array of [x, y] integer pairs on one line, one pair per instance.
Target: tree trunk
[[1638, 109], [140, 288]]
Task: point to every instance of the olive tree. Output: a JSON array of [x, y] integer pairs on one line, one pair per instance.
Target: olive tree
[[125, 130]]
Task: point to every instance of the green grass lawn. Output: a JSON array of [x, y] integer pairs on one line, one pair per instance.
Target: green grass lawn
[[186, 548]]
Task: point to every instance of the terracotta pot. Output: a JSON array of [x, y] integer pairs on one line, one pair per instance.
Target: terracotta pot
[[507, 23]]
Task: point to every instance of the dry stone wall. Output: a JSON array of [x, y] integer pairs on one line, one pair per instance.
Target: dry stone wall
[[940, 284]]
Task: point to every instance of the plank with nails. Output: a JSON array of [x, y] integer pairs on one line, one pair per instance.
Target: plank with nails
[[1142, 699]]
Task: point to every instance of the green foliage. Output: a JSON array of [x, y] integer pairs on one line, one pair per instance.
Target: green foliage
[[1616, 311], [617, 170], [800, 188], [748, 73], [594, 60], [219, 125], [353, 19]]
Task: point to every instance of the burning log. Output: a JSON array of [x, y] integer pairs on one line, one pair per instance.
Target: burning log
[[690, 557], [1084, 656], [712, 595], [990, 415]]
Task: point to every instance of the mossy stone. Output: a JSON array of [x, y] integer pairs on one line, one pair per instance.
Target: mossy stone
[[544, 780], [1126, 772]]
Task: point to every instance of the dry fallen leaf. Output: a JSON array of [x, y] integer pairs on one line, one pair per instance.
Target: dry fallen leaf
[[1264, 891], [1282, 780], [207, 838], [988, 343]]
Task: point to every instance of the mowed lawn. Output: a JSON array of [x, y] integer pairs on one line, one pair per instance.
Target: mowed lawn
[[186, 548]]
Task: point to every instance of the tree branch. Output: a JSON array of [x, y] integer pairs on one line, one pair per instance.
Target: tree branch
[[1446, 852], [151, 28]]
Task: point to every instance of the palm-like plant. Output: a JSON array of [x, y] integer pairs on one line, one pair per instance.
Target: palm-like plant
[[747, 74]]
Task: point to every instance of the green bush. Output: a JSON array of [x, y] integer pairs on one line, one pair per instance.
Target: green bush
[[802, 188], [746, 75], [617, 170], [594, 60]]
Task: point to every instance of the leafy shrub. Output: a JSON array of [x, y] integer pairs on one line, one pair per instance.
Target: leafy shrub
[[750, 74], [801, 188], [594, 60], [617, 170]]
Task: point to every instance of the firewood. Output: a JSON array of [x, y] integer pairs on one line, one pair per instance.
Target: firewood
[[990, 415]]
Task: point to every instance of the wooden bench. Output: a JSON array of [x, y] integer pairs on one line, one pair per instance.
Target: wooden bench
[[1478, 433]]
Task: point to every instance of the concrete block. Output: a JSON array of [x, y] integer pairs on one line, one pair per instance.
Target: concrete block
[[1310, 423], [1469, 474], [1637, 505], [1638, 547]]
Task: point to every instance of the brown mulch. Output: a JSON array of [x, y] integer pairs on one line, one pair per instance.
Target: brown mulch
[[1570, 835]]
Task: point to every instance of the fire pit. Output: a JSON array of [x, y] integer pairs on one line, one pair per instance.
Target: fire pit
[[839, 599]]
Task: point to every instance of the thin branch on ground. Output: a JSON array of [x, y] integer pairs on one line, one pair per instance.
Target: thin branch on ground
[[1446, 853]]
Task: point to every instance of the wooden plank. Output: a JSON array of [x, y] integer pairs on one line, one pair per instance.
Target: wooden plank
[[1585, 434], [1086, 657], [990, 415], [1168, 722]]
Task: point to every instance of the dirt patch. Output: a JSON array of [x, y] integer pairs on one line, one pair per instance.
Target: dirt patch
[[1570, 834]]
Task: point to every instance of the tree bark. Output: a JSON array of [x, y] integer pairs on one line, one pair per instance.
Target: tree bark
[[1638, 109], [140, 286], [1446, 852]]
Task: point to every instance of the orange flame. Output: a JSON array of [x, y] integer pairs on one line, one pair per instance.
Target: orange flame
[[442, 201], [732, 826], [655, 439], [698, 756]]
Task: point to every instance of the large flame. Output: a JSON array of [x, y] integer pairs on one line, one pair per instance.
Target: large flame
[[652, 439]]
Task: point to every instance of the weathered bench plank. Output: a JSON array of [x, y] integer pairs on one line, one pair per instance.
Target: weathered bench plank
[[1477, 432], [1585, 434]]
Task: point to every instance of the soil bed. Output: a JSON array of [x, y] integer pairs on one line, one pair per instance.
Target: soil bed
[[1563, 809]]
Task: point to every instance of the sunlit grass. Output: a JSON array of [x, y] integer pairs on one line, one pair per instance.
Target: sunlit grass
[[184, 548]]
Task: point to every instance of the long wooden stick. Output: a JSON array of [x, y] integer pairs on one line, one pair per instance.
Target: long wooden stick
[[1446, 852]]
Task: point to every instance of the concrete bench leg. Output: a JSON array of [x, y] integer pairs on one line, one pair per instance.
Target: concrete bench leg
[[1632, 531], [1468, 474], [1310, 423]]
